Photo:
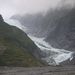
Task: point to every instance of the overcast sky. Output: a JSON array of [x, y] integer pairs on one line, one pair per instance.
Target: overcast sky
[[10, 7]]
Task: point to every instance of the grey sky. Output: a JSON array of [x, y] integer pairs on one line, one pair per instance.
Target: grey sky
[[10, 7]]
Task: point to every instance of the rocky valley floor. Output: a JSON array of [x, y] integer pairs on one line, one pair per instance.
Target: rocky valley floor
[[50, 70]]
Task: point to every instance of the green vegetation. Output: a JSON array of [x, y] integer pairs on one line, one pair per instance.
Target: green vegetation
[[16, 49]]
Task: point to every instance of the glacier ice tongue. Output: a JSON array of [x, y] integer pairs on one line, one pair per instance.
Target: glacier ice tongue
[[57, 56]]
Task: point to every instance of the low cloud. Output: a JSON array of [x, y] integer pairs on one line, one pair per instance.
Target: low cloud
[[9, 7]]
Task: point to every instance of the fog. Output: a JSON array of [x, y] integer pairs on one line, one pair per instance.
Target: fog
[[10, 7]]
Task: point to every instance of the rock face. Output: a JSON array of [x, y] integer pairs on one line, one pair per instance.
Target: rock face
[[57, 27], [1, 19], [63, 36], [16, 48]]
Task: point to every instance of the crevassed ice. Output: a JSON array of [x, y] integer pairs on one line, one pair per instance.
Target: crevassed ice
[[57, 56], [60, 55]]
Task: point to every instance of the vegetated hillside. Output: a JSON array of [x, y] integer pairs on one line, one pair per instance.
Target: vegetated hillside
[[16, 49]]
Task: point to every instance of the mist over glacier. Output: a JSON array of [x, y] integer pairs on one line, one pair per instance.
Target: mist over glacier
[[40, 28]]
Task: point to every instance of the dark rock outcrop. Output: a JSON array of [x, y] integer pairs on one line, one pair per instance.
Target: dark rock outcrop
[[16, 48]]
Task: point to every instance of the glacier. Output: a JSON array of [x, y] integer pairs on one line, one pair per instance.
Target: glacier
[[58, 56], [53, 56]]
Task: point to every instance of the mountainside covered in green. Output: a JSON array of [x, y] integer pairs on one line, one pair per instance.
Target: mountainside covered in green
[[16, 49]]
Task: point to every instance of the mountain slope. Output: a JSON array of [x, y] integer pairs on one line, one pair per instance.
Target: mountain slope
[[63, 36], [16, 49], [57, 28]]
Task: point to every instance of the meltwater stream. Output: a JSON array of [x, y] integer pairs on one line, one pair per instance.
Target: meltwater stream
[[54, 56]]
